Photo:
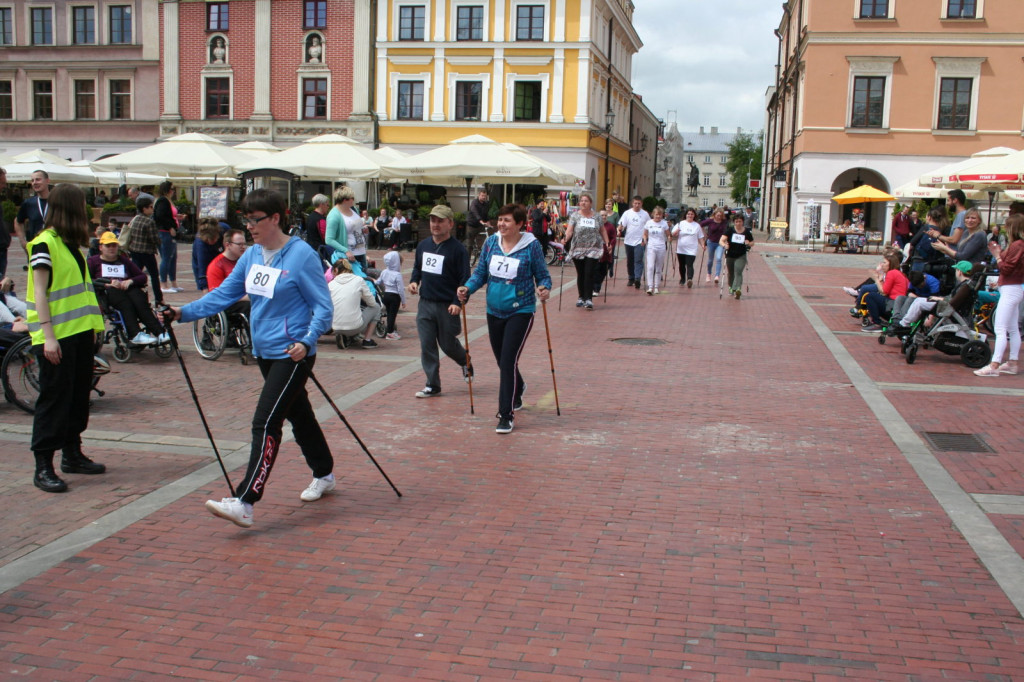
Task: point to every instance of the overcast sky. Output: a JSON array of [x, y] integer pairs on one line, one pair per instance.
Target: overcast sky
[[710, 61]]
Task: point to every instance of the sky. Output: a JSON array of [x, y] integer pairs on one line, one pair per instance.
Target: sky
[[706, 82]]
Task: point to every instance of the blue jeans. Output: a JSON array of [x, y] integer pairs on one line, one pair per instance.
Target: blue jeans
[[715, 252], [168, 258], [635, 262]]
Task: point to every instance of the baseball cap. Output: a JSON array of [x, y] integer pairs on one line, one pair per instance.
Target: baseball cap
[[442, 211], [964, 266], [108, 238]]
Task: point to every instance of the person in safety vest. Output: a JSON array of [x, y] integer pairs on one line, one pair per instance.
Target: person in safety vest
[[63, 319]]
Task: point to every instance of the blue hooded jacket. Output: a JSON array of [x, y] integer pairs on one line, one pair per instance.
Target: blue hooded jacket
[[507, 297], [299, 311]]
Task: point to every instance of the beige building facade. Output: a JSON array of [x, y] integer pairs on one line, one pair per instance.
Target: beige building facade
[[881, 91]]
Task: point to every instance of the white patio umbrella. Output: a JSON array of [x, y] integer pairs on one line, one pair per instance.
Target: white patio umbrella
[[192, 155], [256, 148], [327, 157], [943, 174], [553, 172], [1002, 173], [114, 178], [23, 165]]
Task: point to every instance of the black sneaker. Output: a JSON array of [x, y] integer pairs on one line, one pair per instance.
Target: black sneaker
[[579, 302], [428, 392], [505, 425], [636, 285], [588, 304], [369, 343]]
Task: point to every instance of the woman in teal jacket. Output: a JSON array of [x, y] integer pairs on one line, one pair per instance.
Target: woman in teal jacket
[[512, 266], [291, 308]]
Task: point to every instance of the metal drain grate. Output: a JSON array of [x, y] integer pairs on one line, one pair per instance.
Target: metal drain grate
[[640, 342], [956, 442]]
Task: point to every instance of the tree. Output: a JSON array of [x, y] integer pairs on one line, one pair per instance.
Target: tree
[[745, 153]]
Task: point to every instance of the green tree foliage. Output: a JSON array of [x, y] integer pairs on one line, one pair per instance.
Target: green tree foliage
[[745, 153]]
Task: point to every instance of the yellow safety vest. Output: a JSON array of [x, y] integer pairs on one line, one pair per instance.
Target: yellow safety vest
[[73, 306]]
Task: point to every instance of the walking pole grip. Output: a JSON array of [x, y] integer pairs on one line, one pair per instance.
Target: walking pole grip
[[469, 365]]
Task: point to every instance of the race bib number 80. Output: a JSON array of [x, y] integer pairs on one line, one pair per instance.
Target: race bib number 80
[[261, 281]]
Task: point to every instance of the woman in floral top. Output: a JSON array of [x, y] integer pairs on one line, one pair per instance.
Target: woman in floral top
[[589, 243]]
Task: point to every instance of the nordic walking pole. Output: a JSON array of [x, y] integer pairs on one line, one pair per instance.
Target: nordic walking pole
[[350, 429], [561, 280], [551, 356], [469, 365], [700, 268], [195, 398]]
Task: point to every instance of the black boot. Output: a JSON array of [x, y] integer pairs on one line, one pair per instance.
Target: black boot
[[45, 478], [74, 462]]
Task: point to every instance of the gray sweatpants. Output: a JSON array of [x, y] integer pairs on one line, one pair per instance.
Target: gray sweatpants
[[437, 327]]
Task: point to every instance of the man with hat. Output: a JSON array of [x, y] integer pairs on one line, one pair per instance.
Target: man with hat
[[440, 268], [125, 291]]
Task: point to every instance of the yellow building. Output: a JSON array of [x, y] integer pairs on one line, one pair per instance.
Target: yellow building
[[543, 74]]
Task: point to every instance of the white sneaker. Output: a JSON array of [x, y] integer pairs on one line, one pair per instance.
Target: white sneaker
[[851, 291], [163, 338], [143, 339], [393, 336], [169, 290], [316, 489], [656, 292], [232, 509]]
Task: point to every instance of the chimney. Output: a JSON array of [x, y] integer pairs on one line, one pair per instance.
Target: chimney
[[702, 130], [714, 130]]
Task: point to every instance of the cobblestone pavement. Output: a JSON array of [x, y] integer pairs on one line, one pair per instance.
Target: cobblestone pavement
[[750, 495]]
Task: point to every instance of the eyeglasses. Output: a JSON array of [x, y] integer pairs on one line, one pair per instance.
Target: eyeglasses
[[254, 221], [242, 244]]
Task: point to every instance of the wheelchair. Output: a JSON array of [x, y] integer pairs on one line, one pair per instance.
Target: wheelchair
[[223, 330], [19, 372], [117, 334]]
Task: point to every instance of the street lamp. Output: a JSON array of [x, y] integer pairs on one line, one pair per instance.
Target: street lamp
[[609, 118]]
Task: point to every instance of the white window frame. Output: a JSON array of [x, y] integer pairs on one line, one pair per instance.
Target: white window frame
[[722, 180], [31, 78], [453, 20], [514, 17], [978, 14], [301, 95], [891, 12], [396, 20], [97, 16], [53, 25], [706, 180], [707, 158], [485, 92], [115, 76], [957, 67], [231, 94], [870, 67], [13, 25], [73, 77], [108, 7], [510, 94], [12, 77], [427, 99]]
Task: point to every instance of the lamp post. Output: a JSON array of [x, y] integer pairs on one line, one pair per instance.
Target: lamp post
[[606, 132]]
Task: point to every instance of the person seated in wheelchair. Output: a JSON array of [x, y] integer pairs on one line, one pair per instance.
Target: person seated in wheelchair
[[223, 264], [921, 285], [356, 310], [888, 283], [12, 310], [123, 285], [961, 301]]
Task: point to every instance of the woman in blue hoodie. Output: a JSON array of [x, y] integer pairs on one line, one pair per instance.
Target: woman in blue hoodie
[[512, 266], [291, 308]]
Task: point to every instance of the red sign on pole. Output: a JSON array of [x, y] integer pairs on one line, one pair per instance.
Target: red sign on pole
[[754, 184]]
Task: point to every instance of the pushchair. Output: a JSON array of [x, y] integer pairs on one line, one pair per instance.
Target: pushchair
[[951, 331]]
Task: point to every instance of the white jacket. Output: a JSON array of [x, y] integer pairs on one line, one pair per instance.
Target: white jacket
[[347, 290]]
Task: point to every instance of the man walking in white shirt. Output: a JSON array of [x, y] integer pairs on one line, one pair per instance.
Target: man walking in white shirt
[[631, 229]]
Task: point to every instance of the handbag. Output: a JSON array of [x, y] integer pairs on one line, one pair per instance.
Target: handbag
[[126, 233]]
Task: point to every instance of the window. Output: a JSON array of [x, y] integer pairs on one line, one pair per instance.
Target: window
[[217, 16], [722, 180], [84, 25], [725, 159], [410, 100], [467, 100], [707, 158], [6, 100], [6, 26], [704, 202], [121, 24], [411, 22], [874, 9], [314, 98], [314, 14], [85, 99], [962, 9], [218, 98], [530, 22], [527, 101], [42, 26], [689, 158], [868, 102], [120, 99], [707, 180], [469, 23], [955, 104], [42, 100]]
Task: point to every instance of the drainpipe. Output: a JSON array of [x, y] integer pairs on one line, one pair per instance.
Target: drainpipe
[[608, 107], [372, 75]]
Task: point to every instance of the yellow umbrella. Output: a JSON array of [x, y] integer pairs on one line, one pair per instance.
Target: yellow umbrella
[[862, 194]]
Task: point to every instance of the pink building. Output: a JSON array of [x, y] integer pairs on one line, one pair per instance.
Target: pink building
[[882, 91], [78, 79]]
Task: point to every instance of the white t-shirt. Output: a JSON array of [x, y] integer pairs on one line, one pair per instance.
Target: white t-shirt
[[688, 236], [633, 222], [657, 235]]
